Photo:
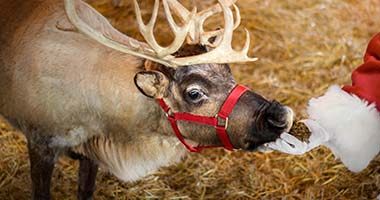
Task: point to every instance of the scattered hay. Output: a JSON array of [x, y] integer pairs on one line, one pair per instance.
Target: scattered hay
[[303, 47]]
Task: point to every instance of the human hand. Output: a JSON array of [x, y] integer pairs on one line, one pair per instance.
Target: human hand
[[287, 143]]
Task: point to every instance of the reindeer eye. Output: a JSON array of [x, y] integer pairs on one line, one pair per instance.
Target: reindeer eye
[[195, 95]]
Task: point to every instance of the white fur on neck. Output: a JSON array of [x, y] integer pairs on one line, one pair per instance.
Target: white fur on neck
[[353, 125], [130, 162]]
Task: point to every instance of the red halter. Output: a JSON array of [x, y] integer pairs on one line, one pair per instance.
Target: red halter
[[220, 121]]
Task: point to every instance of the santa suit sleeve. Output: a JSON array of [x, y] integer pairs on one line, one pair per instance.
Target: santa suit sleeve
[[351, 115]]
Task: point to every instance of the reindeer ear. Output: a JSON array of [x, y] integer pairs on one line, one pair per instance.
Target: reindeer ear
[[152, 83]]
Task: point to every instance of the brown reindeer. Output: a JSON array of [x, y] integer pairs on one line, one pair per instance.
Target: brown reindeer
[[75, 85]]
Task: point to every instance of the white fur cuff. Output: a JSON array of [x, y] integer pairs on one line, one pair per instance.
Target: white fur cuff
[[352, 124]]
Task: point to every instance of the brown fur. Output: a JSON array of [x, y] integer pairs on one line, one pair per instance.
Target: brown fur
[[42, 86]]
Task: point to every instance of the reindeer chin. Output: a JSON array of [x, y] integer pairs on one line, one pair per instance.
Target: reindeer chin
[[264, 149]]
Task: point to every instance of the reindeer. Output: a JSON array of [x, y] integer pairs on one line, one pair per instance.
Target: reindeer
[[75, 85]]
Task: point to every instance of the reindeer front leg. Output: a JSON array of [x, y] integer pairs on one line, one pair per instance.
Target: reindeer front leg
[[88, 169], [42, 159], [87, 177]]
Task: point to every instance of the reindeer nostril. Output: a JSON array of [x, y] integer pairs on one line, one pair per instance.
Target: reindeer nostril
[[278, 124], [279, 116]]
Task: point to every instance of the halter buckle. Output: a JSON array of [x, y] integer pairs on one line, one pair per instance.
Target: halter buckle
[[169, 114], [221, 122]]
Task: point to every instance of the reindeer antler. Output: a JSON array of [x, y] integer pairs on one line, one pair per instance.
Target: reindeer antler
[[104, 33], [147, 30], [193, 27], [196, 33], [223, 52]]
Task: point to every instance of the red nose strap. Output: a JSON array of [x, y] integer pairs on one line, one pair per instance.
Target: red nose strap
[[220, 121]]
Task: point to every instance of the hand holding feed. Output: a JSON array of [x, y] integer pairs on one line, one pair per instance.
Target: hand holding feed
[[298, 141], [288, 144]]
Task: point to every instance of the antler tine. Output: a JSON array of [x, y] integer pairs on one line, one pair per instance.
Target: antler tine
[[147, 30], [179, 32], [223, 53], [196, 32], [205, 36], [179, 10]]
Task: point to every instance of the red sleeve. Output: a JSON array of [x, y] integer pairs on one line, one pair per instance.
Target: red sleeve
[[366, 78]]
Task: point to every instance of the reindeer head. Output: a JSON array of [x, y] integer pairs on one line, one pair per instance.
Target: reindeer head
[[194, 78]]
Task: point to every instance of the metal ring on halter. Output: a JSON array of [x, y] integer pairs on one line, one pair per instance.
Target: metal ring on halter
[[224, 124]]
